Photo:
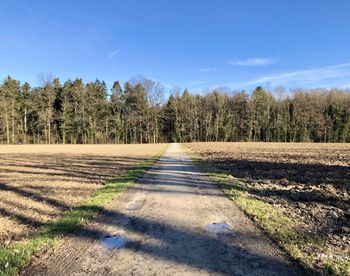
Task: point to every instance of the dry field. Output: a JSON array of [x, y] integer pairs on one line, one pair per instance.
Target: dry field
[[307, 182], [39, 182]]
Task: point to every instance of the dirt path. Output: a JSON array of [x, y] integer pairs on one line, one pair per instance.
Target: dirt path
[[173, 222]]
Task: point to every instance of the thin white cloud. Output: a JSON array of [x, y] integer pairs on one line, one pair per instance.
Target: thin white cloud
[[30, 10], [112, 54], [193, 82], [254, 61], [169, 86], [35, 13], [165, 84], [338, 74], [208, 69]]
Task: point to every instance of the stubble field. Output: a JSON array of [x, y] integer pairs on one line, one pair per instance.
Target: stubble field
[[39, 182], [308, 183]]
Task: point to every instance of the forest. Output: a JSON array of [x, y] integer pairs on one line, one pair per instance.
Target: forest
[[137, 112]]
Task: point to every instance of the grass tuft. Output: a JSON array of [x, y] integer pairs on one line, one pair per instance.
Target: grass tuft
[[15, 257]]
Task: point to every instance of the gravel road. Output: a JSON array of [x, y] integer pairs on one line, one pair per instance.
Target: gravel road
[[172, 222]]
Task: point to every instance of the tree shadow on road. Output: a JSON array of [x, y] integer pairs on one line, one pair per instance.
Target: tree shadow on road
[[226, 254]]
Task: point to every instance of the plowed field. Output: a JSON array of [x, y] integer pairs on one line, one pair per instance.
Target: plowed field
[[309, 183], [39, 182]]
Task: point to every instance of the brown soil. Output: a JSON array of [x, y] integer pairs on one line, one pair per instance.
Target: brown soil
[[308, 182], [39, 182]]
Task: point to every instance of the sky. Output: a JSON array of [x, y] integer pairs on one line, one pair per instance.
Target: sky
[[197, 44]]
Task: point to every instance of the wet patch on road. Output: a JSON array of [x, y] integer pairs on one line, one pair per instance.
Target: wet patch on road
[[221, 230], [218, 228], [113, 242]]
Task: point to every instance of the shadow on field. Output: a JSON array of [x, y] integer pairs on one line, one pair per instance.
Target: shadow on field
[[317, 193], [90, 167], [33, 196], [36, 188], [289, 174]]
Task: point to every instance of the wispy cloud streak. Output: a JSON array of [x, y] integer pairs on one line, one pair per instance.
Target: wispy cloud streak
[[30, 10], [254, 61], [208, 69], [34, 13], [338, 74], [112, 54]]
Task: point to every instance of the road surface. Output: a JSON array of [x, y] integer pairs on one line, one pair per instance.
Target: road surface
[[172, 222]]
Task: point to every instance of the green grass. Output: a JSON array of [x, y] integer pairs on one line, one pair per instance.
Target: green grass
[[283, 230], [17, 256]]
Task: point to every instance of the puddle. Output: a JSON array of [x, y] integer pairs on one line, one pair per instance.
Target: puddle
[[218, 227], [112, 242]]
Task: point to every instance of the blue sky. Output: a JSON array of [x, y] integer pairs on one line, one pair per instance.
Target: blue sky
[[194, 44]]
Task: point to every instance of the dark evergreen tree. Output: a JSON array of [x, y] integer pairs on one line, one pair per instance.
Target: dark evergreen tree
[[79, 113]]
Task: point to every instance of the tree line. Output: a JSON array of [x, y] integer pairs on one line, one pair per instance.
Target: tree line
[[79, 113]]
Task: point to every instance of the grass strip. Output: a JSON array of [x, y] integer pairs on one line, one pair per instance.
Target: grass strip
[[284, 231], [15, 257]]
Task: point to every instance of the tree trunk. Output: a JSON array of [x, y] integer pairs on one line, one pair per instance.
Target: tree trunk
[[25, 126], [7, 128], [49, 131], [13, 121]]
